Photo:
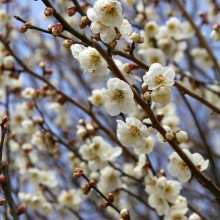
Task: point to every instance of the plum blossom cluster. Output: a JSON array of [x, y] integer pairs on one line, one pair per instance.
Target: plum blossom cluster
[[164, 196], [178, 168], [54, 127], [106, 18], [159, 80]]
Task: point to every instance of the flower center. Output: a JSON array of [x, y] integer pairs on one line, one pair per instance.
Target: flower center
[[134, 131], [95, 59], [110, 9], [118, 95], [155, 59], [183, 165], [159, 79]]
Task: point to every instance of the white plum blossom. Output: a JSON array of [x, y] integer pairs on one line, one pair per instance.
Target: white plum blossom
[[202, 57], [28, 93], [132, 133], [147, 148], [97, 97], [109, 180], [118, 97], [69, 198], [151, 28], [109, 12], [125, 30], [90, 59], [158, 75], [152, 55], [98, 152], [159, 203], [107, 33], [178, 168], [161, 96]]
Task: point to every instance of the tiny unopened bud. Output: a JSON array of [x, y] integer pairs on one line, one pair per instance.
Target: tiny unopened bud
[[23, 28], [111, 197], [104, 205], [82, 132], [135, 36], [67, 43], [71, 10], [49, 11], [5, 119], [112, 44], [90, 127], [78, 172], [147, 96], [81, 122], [3, 180], [57, 29], [144, 86], [86, 187], [48, 72], [50, 27], [84, 22], [42, 65], [127, 48], [2, 202], [160, 116], [21, 208], [181, 136], [170, 136], [125, 214]]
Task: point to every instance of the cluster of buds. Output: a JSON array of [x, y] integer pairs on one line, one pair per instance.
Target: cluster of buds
[[111, 198], [178, 136], [125, 215], [56, 29], [25, 27], [136, 38], [85, 129]]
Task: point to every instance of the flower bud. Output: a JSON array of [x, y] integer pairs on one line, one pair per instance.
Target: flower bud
[[181, 136], [71, 10], [8, 62], [3, 180], [147, 96], [78, 172], [84, 22], [23, 28], [125, 214], [67, 43], [2, 202], [127, 48], [86, 187], [170, 135], [104, 205], [49, 11], [111, 197], [50, 27], [21, 208], [57, 29]]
